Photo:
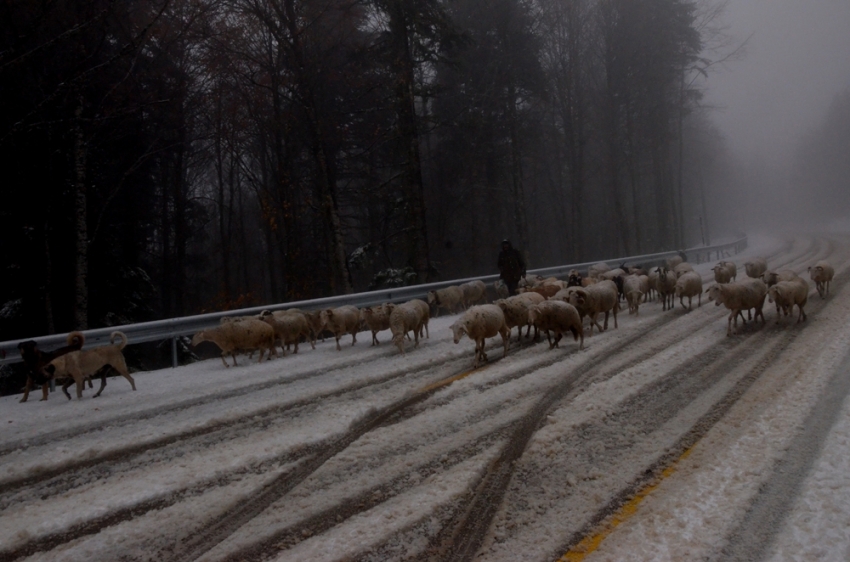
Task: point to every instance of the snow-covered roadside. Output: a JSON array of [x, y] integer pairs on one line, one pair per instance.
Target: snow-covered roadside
[[816, 528], [693, 511]]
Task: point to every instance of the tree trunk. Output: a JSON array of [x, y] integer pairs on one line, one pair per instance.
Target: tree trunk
[[48, 276], [418, 252], [518, 191], [81, 301], [325, 176]]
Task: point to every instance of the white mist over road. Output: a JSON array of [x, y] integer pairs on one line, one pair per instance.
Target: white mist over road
[[797, 60]]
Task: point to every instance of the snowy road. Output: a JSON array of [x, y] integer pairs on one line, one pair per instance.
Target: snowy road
[[662, 440]]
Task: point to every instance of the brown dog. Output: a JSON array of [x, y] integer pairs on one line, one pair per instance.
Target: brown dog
[[36, 361], [79, 366]]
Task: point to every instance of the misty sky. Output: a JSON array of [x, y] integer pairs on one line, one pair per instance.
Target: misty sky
[[796, 61]]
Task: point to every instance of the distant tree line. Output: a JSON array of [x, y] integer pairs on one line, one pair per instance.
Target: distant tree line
[[167, 157]]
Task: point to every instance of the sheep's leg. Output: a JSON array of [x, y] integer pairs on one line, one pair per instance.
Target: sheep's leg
[[605, 325], [416, 337], [614, 312], [506, 338], [595, 320], [353, 338], [223, 355], [729, 323], [338, 348]]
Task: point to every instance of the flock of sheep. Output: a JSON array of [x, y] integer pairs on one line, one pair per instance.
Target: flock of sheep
[[552, 305]]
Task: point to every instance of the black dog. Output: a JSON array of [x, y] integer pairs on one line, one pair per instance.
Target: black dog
[[36, 360]]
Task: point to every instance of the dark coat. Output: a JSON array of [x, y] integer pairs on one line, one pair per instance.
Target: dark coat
[[511, 266]]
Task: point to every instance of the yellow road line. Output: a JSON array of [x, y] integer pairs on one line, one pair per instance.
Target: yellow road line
[[448, 381], [590, 543]]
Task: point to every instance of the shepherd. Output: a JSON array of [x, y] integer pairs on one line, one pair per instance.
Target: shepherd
[[511, 266]]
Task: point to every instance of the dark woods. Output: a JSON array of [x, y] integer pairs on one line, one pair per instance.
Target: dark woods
[[167, 157]]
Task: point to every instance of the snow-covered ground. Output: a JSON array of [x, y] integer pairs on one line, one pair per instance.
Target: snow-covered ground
[[662, 440]]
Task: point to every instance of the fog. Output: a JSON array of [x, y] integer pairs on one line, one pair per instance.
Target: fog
[[796, 61]]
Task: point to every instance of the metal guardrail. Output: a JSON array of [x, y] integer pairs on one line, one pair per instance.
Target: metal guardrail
[[173, 328]]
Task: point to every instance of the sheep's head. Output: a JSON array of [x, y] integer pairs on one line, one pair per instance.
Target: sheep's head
[[635, 296], [715, 294], [198, 338], [388, 308], [534, 315], [772, 293], [432, 297], [326, 316], [578, 298], [459, 330]]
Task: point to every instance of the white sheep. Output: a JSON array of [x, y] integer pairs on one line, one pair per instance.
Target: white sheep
[[239, 337], [737, 297], [682, 268], [635, 287], [404, 318], [342, 320], [689, 285], [733, 269], [597, 270], [544, 289], [516, 310], [755, 267], [653, 283], [593, 300], [788, 293], [529, 280], [481, 322], [424, 316], [501, 289], [474, 292], [450, 298], [722, 274], [771, 278], [558, 317], [377, 318], [611, 274], [665, 284], [672, 262], [289, 327], [822, 274], [531, 298]]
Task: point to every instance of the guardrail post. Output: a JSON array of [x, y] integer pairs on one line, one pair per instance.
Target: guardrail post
[[174, 352]]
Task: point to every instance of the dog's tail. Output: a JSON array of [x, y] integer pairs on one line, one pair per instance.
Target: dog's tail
[[76, 339], [119, 335]]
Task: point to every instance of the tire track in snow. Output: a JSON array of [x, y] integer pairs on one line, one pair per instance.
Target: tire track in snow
[[765, 347], [463, 541], [391, 415], [217, 431]]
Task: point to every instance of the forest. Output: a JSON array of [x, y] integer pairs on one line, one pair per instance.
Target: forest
[[169, 157]]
